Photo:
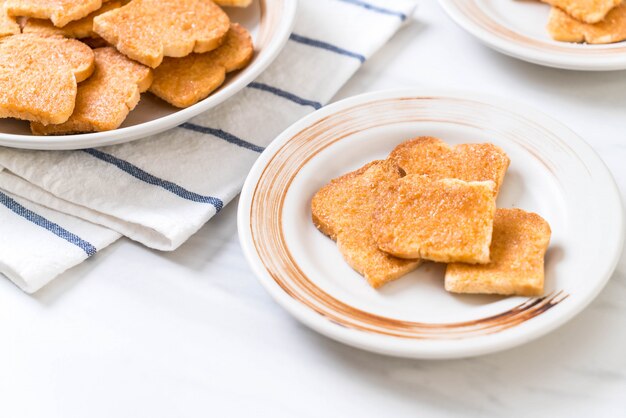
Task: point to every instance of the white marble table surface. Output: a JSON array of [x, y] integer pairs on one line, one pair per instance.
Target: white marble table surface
[[137, 333]]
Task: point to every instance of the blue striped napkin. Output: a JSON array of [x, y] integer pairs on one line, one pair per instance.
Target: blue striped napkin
[[59, 208]]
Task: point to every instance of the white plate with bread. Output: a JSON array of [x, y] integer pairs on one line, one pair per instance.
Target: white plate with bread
[[581, 35], [431, 224], [268, 23]]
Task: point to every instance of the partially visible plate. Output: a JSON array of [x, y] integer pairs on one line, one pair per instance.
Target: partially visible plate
[[553, 172], [268, 21], [518, 28]]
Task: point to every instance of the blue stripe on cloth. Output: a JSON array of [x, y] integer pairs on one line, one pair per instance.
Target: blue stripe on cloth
[[376, 9], [39, 220], [319, 44], [228, 137], [285, 94], [144, 176]]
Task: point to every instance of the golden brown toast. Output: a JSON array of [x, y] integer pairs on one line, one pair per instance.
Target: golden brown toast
[[470, 162], [343, 210], [520, 240], [38, 76], [588, 11], [564, 28], [76, 54], [148, 30], [60, 12], [81, 28], [185, 81], [445, 220], [234, 3], [8, 24], [106, 98]]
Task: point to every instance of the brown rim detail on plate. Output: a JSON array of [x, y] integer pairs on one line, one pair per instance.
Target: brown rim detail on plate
[[472, 10], [267, 202]]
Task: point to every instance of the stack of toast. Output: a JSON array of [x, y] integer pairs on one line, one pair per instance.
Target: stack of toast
[[590, 21], [73, 66], [430, 201]]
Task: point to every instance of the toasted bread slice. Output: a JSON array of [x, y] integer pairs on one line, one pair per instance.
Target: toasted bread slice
[[343, 210], [81, 28], [76, 54], [564, 28], [588, 11], [185, 81], [148, 30], [8, 24], [38, 76], [234, 3], [60, 12], [520, 240], [444, 220], [470, 162], [106, 98]]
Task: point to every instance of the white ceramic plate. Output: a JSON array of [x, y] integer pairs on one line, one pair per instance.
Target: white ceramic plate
[[268, 21], [518, 28], [553, 172]]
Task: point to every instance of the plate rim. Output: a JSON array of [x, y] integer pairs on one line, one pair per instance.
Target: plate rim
[[539, 57], [155, 126], [421, 349]]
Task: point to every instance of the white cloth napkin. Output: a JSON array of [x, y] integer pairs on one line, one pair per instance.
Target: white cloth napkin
[[59, 208]]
